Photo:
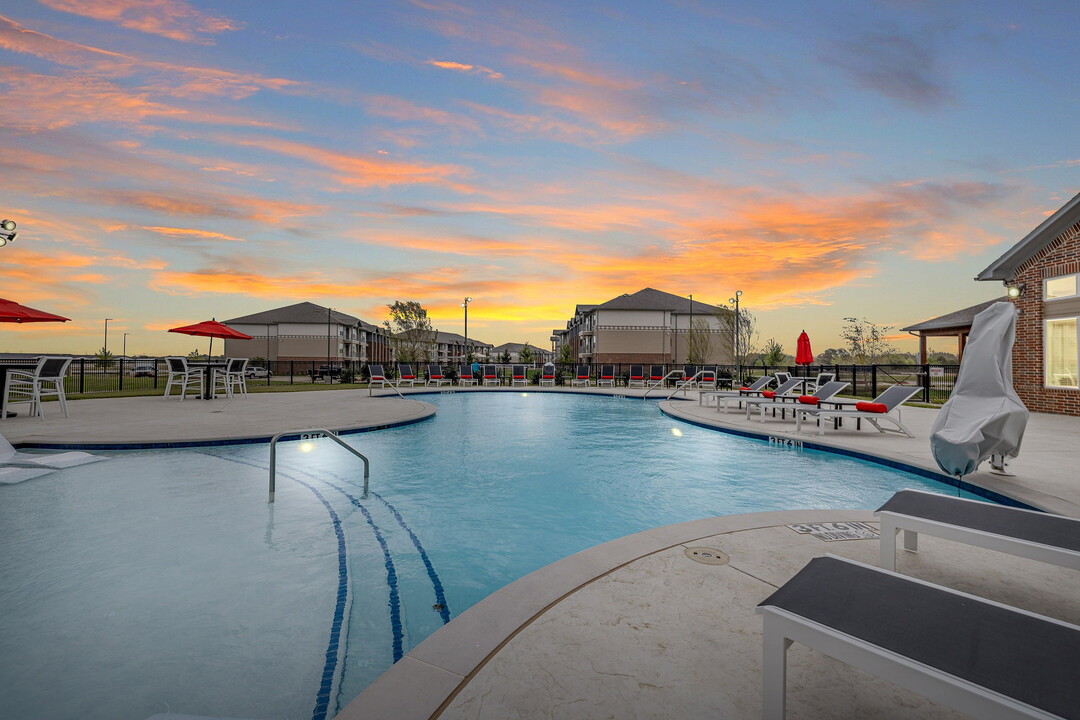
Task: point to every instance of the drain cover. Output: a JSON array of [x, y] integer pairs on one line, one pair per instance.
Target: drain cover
[[707, 555]]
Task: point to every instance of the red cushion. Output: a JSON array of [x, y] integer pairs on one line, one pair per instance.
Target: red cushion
[[808, 400], [872, 407], [408, 377], [745, 389], [768, 393]]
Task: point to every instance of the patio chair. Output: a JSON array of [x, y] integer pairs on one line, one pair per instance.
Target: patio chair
[[50, 370], [376, 375], [1031, 534], [823, 393], [581, 377], [689, 376], [753, 390], [765, 396], [547, 374], [185, 377], [656, 374], [435, 376], [637, 376], [491, 375], [881, 408], [406, 376], [821, 379], [606, 376], [230, 377], [781, 377], [982, 658], [518, 376], [707, 379], [465, 375]]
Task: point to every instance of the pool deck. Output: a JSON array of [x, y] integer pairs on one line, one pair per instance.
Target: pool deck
[[636, 628]]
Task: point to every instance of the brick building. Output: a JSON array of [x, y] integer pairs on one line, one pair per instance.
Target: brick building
[[649, 326], [1042, 273]]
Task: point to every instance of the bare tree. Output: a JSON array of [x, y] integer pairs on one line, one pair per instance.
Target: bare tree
[[698, 342], [410, 331], [746, 332], [867, 342]]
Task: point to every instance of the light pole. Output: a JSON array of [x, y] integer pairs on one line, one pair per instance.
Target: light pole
[[738, 360], [329, 376], [105, 349], [466, 306], [124, 352]]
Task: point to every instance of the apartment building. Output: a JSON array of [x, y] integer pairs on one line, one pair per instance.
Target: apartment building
[[649, 326], [306, 332]]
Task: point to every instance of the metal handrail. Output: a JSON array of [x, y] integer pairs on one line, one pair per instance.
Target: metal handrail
[[307, 434], [687, 381], [385, 382], [660, 382]]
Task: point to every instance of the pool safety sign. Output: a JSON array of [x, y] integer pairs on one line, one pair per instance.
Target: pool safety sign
[[831, 531]]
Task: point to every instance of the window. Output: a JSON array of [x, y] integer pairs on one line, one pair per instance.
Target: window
[[1061, 287], [1062, 353]]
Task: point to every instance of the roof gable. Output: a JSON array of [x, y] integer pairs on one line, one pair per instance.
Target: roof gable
[[304, 312], [959, 319], [1004, 268], [650, 299]]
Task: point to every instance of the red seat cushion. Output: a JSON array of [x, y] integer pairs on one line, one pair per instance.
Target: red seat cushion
[[808, 400], [745, 389], [408, 377], [872, 407], [768, 393]]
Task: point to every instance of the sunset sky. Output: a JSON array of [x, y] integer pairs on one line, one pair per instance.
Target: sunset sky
[[170, 161]]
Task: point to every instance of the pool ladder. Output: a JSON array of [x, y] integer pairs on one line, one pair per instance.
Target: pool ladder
[[311, 434]]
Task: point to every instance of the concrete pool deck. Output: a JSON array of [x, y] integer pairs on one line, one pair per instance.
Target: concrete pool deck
[[635, 627]]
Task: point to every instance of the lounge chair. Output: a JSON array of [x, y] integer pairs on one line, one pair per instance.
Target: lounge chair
[[606, 376], [753, 390], [50, 370], [377, 376], [435, 376], [185, 377], [982, 658], [767, 396], [881, 408], [637, 376], [465, 375], [406, 376], [581, 377], [1031, 534], [656, 375], [707, 378], [689, 376], [491, 375], [518, 376], [823, 393], [547, 375]]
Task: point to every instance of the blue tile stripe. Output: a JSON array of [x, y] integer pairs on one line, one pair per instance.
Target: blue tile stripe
[[440, 595]]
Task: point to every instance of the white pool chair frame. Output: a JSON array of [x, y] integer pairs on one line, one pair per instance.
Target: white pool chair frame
[[188, 377], [603, 378], [834, 388], [786, 389], [781, 628], [516, 379], [32, 384], [466, 378], [436, 380], [545, 378], [578, 379], [893, 522], [892, 415]]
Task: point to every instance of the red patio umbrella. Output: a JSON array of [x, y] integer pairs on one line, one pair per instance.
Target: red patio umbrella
[[11, 311], [211, 329], [803, 356]]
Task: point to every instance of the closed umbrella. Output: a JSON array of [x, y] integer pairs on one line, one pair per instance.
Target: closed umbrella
[[803, 355], [211, 329], [11, 311]]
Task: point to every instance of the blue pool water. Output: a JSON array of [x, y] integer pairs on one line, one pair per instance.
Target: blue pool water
[[162, 581]]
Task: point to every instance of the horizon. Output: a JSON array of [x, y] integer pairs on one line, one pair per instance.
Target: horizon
[[168, 162]]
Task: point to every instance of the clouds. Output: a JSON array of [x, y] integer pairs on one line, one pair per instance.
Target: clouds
[[172, 19]]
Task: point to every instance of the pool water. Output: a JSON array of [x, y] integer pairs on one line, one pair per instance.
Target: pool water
[[162, 581]]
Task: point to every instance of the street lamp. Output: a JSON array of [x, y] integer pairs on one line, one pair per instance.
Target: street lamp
[[105, 350], [466, 306], [329, 376], [124, 353], [738, 361], [7, 231]]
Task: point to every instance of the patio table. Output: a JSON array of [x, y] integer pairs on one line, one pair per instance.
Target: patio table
[[208, 369]]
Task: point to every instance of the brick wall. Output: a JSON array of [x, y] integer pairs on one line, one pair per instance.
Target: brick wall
[[1061, 257]]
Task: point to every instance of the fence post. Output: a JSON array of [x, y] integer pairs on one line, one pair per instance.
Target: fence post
[[926, 382], [292, 368], [82, 375], [873, 381]]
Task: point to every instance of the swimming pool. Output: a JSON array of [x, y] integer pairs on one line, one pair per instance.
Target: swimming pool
[[162, 581]]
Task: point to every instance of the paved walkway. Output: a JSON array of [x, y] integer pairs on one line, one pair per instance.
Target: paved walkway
[[635, 628]]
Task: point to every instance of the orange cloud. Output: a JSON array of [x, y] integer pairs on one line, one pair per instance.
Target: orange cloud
[[192, 233], [462, 67], [168, 18]]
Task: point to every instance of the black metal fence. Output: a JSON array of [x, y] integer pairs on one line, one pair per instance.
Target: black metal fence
[[89, 375]]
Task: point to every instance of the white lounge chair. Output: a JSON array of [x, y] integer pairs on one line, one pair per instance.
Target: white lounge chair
[[752, 390], [606, 376], [880, 408], [435, 376], [377, 376], [491, 375], [547, 374], [787, 389], [581, 377], [823, 393], [637, 376], [1031, 534], [465, 375], [518, 376], [982, 658], [406, 376]]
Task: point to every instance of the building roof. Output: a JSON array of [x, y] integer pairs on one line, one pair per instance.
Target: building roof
[[954, 320], [650, 299], [1004, 268], [304, 312], [517, 347]]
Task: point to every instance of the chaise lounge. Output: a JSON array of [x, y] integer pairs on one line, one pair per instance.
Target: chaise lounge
[[822, 394], [880, 408], [754, 389]]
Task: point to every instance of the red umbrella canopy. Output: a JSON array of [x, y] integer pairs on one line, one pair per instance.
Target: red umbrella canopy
[[11, 311], [211, 329], [803, 356]]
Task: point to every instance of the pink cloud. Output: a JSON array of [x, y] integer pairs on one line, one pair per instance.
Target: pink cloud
[[173, 19]]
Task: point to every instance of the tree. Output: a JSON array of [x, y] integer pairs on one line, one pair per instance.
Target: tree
[[774, 353], [410, 331], [566, 353], [104, 358], [867, 342], [194, 354], [505, 357], [698, 342], [747, 331], [526, 354]]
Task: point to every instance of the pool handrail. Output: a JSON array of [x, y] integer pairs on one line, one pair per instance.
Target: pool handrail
[[306, 434], [660, 382]]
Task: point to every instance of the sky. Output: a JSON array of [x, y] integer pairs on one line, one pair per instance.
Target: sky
[[171, 161]]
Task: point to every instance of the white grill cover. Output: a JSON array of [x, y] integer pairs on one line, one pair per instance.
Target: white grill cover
[[984, 416]]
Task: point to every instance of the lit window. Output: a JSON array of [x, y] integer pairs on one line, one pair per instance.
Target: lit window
[[1061, 287], [1062, 353]]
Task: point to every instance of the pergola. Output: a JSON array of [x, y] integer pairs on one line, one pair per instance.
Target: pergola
[[955, 324]]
